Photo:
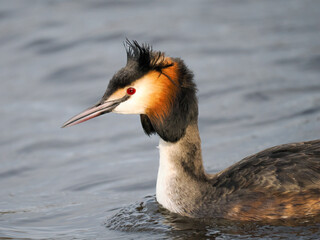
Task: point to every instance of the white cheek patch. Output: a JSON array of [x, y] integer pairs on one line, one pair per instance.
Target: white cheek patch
[[131, 106], [138, 102]]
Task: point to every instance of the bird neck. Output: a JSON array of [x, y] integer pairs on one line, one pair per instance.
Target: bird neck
[[181, 171]]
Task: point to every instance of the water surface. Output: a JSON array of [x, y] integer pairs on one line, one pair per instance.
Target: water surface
[[257, 67]]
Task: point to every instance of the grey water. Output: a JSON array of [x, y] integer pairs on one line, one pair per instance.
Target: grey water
[[257, 67]]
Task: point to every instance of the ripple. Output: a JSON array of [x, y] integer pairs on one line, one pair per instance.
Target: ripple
[[148, 216], [92, 183], [4, 14], [74, 73], [308, 63], [14, 172], [38, 43], [115, 3], [307, 111], [226, 51]]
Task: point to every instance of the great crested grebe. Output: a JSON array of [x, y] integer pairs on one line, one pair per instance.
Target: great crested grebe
[[277, 183]]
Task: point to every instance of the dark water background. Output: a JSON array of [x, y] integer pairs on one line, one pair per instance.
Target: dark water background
[[257, 66]]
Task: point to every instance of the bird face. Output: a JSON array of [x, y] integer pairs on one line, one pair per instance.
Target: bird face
[[152, 94], [147, 85], [159, 88]]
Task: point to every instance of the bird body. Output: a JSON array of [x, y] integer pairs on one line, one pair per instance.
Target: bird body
[[278, 183]]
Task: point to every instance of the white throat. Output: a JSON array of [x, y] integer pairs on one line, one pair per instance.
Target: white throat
[[180, 169], [167, 174]]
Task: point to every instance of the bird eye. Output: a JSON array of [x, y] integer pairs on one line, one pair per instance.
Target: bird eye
[[131, 91]]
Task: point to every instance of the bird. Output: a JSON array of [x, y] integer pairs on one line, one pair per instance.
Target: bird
[[281, 182]]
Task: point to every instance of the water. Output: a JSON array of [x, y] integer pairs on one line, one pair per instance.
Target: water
[[257, 66]]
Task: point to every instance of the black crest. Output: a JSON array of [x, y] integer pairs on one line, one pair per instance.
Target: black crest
[[145, 57], [140, 60]]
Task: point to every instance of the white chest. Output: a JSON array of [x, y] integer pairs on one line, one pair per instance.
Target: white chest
[[167, 174]]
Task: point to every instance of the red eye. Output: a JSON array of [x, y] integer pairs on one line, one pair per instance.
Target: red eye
[[131, 90]]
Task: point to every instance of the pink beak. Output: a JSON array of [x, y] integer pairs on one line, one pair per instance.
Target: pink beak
[[95, 111]]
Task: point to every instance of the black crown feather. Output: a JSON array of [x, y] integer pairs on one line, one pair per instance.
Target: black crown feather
[[145, 57]]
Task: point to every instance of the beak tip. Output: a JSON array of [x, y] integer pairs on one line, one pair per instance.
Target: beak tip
[[67, 124], [95, 111]]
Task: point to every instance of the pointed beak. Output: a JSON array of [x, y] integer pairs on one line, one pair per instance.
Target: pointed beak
[[95, 111]]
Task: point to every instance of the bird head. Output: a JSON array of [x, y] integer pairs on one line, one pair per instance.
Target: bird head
[[158, 88]]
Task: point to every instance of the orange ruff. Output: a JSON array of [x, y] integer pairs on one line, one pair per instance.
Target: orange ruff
[[165, 91]]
